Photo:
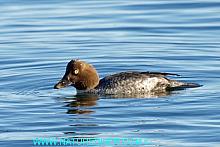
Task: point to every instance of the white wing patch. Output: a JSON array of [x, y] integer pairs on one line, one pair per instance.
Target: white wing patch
[[151, 83]]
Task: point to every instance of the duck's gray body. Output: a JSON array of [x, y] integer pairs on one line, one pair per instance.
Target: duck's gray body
[[136, 83]]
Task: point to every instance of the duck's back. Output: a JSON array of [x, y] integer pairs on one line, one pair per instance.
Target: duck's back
[[133, 82]]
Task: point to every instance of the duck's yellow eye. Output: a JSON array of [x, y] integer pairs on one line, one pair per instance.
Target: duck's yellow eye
[[76, 71]]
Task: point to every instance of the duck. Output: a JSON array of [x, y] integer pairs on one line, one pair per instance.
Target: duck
[[84, 77]]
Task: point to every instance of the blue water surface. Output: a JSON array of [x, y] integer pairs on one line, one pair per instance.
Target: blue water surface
[[38, 38]]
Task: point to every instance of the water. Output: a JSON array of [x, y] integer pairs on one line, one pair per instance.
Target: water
[[38, 38]]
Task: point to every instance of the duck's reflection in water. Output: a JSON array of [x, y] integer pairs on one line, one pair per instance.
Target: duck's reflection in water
[[79, 103], [156, 94], [80, 107]]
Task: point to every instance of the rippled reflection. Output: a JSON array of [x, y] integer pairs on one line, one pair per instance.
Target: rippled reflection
[[81, 100], [140, 95], [80, 104]]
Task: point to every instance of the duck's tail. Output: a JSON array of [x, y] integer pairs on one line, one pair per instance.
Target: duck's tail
[[176, 85]]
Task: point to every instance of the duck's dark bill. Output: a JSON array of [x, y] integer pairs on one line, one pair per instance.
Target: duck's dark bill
[[62, 84]]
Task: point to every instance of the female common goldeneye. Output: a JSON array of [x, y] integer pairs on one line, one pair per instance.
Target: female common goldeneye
[[85, 79]]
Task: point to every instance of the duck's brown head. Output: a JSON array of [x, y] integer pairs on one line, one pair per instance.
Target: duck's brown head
[[79, 74]]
